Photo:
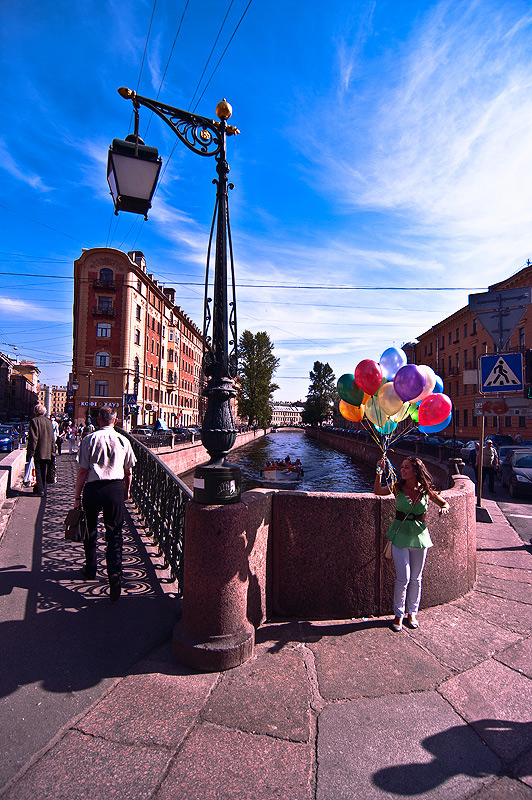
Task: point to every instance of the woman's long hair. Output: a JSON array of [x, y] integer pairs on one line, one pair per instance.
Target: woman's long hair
[[423, 476]]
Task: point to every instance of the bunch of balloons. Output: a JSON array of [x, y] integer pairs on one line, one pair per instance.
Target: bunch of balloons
[[391, 391]]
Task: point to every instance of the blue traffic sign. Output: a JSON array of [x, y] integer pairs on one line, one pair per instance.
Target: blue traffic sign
[[130, 399], [501, 373]]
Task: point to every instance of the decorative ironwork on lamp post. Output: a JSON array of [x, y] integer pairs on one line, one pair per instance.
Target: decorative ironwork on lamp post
[[132, 164]]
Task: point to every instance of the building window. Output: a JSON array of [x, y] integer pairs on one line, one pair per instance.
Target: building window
[[521, 337], [106, 275], [170, 336], [137, 336], [101, 388], [105, 303], [474, 421], [170, 355], [151, 393], [508, 422], [450, 337], [474, 357], [465, 417], [139, 286], [103, 330], [102, 359], [443, 342], [474, 326], [138, 312], [465, 329], [522, 422], [457, 388]]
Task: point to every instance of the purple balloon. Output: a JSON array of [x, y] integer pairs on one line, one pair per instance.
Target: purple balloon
[[409, 382]]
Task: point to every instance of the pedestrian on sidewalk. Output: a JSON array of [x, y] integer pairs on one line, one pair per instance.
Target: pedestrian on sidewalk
[[490, 462], [41, 447], [105, 460], [409, 534]]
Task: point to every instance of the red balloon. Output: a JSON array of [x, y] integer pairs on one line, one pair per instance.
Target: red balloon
[[434, 409], [368, 376]]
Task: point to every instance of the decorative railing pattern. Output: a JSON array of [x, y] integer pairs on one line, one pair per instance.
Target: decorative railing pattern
[[161, 499]]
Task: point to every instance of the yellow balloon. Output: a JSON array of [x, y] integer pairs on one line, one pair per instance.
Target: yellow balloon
[[352, 413], [389, 400], [402, 414], [375, 413]]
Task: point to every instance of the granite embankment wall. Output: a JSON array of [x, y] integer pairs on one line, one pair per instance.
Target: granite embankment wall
[[319, 555], [186, 456]]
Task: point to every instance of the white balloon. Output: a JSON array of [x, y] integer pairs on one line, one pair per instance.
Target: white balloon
[[430, 375]]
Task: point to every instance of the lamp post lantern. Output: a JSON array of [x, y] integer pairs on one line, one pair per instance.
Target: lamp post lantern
[[133, 170]]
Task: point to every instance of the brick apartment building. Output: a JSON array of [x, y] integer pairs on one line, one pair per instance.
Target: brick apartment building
[[131, 342], [54, 398], [452, 348]]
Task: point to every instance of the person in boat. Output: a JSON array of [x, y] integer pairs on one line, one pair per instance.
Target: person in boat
[[409, 534]]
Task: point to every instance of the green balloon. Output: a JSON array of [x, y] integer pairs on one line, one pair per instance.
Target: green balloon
[[348, 390], [414, 412]]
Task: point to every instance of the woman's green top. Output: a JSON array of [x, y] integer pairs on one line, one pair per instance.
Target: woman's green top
[[409, 533]]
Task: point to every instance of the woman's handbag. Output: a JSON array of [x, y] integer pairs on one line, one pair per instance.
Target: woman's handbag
[[387, 552], [76, 525], [29, 476]]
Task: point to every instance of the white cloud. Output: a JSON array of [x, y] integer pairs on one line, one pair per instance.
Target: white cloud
[[8, 163], [19, 308]]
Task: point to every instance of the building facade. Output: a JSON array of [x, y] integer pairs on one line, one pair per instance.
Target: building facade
[[284, 413], [54, 398], [134, 349], [18, 388], [452, 348]]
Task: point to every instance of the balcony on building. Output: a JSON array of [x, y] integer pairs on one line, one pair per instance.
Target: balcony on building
[[104, 284], [104, 311]]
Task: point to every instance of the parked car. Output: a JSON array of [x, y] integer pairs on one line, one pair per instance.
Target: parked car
[[451, 445], [503, 453], [499, 439], [7, 438], [516, 472], [144, 431]]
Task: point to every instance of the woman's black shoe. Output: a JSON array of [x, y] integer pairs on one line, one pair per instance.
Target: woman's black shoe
[[115, 587]]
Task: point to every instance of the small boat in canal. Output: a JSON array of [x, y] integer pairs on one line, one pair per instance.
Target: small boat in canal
[[281, 474]]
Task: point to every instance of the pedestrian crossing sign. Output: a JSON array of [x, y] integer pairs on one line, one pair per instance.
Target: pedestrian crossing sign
[[501, 373]]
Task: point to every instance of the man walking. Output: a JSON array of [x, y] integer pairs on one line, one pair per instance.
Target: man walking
[[40, 446], [105, 460]]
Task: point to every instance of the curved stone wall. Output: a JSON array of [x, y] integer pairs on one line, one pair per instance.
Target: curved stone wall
[[327, 553]]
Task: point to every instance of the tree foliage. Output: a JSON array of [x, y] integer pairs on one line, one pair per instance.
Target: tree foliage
[[321, 394], [256, 367]]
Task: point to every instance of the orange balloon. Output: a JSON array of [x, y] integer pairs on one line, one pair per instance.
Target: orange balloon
[[352, 413], [365, 399]]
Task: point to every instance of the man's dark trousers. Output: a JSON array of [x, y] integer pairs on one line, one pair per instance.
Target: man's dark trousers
[[41, 469], [107, 497]]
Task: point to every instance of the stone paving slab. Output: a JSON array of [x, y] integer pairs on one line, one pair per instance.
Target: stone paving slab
[[518, 657], [82, 767], [150, 708], [517, 556], [458, 639], [268, 694], [520, 591], [522, 769], [504, 789], [221, 764], [496, 701], [373, 661], [506, 573], [508, 614], [397, 747]]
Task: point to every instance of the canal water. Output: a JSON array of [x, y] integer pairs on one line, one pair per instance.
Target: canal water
[[325, 470]]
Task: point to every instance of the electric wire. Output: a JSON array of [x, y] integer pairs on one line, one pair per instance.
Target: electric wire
[[210, 54]]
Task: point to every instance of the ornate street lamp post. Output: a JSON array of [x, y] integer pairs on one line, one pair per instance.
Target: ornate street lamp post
[[133, 169], [89, 427]]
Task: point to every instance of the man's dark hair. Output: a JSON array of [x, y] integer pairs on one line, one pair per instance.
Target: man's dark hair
[[107, 415]]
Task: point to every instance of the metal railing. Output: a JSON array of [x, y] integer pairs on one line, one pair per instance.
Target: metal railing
[[161, 499]]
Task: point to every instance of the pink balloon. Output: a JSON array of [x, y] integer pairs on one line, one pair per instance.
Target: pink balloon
[[368, 376], [434, 409]]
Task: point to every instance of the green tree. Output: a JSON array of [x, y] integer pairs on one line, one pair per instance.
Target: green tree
[[321, 394], [256, 367]]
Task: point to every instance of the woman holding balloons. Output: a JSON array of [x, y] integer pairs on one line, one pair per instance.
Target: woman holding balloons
[[409, 534]]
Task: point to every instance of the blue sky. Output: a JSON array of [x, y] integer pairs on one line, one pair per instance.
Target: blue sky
[[384, 145]]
